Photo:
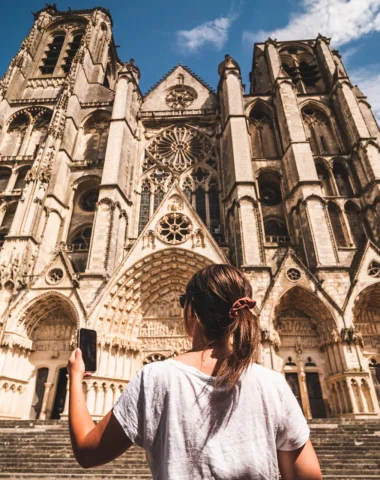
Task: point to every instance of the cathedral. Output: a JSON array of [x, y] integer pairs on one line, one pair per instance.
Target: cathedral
[[111, 199]]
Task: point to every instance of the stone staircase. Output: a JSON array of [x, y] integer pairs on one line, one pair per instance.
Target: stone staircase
[[347, 449]]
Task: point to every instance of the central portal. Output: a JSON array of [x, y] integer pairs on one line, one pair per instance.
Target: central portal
[[162, 332]]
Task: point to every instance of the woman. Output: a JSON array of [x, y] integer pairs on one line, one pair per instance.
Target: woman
[[211, 413]]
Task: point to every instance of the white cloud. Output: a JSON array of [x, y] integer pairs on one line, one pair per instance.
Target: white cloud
[[368, 80], [214, 32], [341, 20], [349, 52]]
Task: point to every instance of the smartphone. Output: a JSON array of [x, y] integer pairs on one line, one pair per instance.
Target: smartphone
[[87, 343]]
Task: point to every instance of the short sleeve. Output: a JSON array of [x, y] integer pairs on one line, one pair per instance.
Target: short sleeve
[[293, 431], [129, 410]]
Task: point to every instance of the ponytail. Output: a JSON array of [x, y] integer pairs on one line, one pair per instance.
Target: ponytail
[[220, 297], [245, 334]]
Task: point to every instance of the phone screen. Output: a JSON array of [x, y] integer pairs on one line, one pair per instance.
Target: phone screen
[[87, 343]]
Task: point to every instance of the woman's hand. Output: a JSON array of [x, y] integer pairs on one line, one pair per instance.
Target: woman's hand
[[75, 366]]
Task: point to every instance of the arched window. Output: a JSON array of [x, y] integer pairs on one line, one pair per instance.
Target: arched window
[[15, 135], [100, 43], [95, 137], [324, 177], [337, 224], [301, 66], [21, 180], [271, 204], [319, 132], [158, 197], [79, 237], [263, 136], [72, 48], [6, 224], [39, 133], [275, 231], [342, 180], [200, 203], [213, 198], [80, 240], [144, 206], [355, 222], [5, 174], [52, 52]]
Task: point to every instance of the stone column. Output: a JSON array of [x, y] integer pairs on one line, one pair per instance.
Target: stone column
[[304, 395], [351, 395], [108, 403], [67, 399], [236, 158], [45, 401]]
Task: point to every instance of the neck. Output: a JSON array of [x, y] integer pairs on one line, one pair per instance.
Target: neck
[[200, 343]]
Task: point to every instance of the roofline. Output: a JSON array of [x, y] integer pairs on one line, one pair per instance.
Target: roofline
[[52, 9], [162, 79]]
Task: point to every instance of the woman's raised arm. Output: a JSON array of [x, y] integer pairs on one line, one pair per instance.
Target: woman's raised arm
[[93, 445]]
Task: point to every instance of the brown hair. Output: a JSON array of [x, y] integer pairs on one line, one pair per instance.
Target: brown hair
[[210, 294]]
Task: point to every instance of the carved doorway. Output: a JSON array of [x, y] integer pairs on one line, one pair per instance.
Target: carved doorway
[[50, 323], [314, 392], [292, 379], [60, 394], [39, 390], [162, 331], [304, 325]]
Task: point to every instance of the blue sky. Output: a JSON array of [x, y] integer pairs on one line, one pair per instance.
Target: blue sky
[[160, 34]]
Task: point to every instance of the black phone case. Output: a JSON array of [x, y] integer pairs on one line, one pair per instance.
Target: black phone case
[[87, 343]]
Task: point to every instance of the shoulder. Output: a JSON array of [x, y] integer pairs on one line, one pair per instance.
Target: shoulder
[[267, 377], [156, 370]]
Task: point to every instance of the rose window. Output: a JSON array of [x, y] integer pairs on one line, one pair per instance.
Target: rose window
[[174, 228], [179, 148], [374, 269], [293, 274], [55, 275], [180, 97]]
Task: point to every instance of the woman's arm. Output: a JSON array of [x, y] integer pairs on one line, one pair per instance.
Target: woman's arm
[[93, 445], [300, 464]]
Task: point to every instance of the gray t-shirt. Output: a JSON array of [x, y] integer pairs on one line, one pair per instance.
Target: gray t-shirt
[[192, 430]]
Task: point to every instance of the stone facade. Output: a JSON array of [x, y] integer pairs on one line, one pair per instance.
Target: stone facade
[[110, 200]]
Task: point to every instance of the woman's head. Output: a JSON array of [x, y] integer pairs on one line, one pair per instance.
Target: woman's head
[[210, 296]]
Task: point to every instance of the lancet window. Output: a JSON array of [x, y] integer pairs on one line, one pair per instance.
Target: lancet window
[[5, 175], [187, 155], [302, 67], [26, 132], [80, 231], [92, 142], [60, 52], [270, 194], [325, 178], [21, 178], [72, 48], [320, 132], [342, 180], [263, 137], [355, 221], [52, 53], [7, 221], [337, 224]]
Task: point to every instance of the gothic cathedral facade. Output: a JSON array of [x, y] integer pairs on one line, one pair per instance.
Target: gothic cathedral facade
[[110, 200]]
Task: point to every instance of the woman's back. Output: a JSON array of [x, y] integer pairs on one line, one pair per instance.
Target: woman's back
[[192, 429]]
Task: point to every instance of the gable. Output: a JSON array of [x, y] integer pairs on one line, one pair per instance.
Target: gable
[[179, 90]]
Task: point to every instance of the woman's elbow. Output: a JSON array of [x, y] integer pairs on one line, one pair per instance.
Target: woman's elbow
[[85, 460]]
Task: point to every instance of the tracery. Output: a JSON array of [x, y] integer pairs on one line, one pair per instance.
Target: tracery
[[187, 155]]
